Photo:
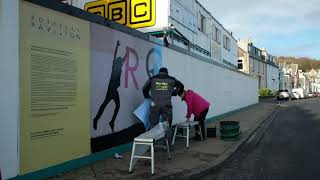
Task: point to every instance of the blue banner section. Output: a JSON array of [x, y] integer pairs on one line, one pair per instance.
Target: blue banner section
[[143, 113]]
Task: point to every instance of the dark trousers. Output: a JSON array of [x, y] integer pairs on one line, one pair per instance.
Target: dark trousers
[[201, 119], [166, 113]]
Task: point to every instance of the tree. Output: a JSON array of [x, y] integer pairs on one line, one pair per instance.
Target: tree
[[304, 63]]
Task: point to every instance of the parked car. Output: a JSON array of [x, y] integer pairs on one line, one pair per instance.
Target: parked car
[[295, 95], [283, 94], [302, 93], [310, 95]]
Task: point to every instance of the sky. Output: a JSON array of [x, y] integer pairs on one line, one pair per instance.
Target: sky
[[283, 27]]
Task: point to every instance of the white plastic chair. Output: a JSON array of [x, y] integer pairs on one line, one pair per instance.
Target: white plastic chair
[[186, 125]]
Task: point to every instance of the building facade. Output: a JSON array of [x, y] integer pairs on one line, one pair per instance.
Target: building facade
[[314, 80], [192, 27], [312, 76], [252, 62], [303, 81], [273, 71], [309, 81], [285, 79], [292, 70]]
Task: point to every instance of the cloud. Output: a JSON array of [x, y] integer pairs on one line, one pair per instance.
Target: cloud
[[302, 50], [305, 47], [254, 18], [267, 22]]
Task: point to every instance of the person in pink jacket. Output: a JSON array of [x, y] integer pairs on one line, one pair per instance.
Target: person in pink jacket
[[197, 106]]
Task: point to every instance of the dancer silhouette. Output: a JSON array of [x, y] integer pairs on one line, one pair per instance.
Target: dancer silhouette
[[112, 93]]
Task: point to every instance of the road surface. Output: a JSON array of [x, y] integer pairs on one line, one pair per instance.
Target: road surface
[[288, 150]]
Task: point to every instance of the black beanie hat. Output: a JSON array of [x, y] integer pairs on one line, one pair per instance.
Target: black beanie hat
[[164, 70]]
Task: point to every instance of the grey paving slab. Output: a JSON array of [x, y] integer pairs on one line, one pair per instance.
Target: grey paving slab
[[200, 153]]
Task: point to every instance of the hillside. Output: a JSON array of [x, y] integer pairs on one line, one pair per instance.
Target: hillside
[[305, 64]]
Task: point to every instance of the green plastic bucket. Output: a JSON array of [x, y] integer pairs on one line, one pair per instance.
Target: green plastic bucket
[[230, 130]]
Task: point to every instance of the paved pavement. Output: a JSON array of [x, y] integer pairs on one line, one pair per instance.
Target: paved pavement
[[289, 149], [200, 156]]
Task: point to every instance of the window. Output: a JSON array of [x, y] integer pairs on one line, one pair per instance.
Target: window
[[259, 53], [214, 33], [250, 48], [218, 36], [240, 64], [226, 42], [256, 65], [251, 64], [202, 23]]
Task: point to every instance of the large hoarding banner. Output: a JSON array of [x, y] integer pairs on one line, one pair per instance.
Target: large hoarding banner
[[120, 65], [54, 88]]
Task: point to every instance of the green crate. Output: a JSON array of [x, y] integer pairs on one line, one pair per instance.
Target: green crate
[[222, 131], [232, 134]]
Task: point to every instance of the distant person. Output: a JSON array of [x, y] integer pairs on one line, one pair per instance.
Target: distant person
[[197, 106], [112, 93], [162, 87], [165, 40]]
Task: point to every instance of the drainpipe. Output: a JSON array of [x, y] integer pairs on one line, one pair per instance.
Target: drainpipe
[[266, 75]]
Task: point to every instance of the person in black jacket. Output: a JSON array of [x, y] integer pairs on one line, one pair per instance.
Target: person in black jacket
[[162, 87]]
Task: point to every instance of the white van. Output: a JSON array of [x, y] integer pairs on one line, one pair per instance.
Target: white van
[[298, 93]]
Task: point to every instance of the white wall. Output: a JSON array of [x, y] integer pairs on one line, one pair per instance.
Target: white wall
[[226, 90], [9, 89], [272, 73]]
